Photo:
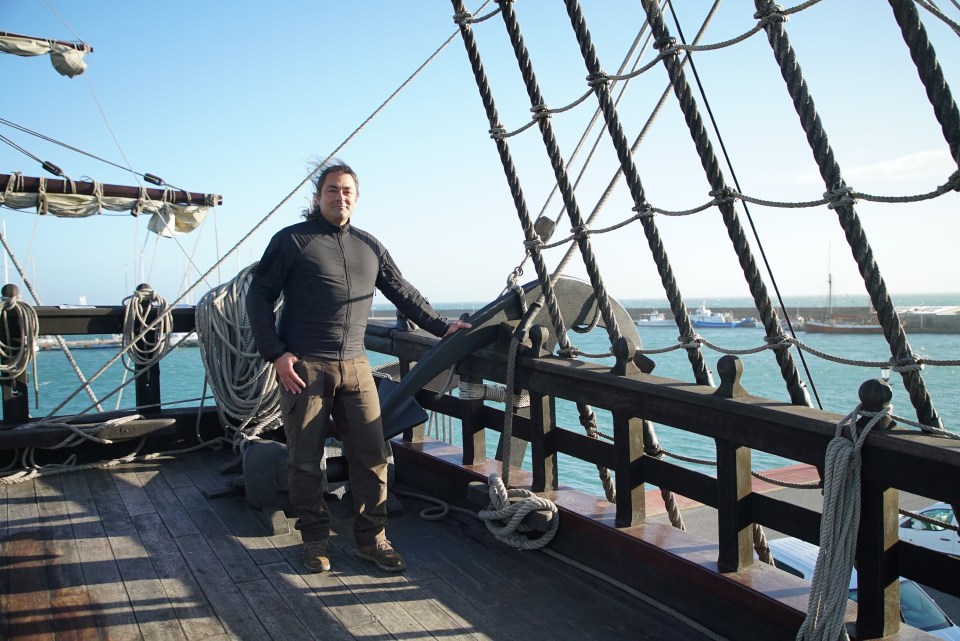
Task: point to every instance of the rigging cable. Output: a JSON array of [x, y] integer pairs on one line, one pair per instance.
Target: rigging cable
[[150, 178], [736, 182], [275, 209]]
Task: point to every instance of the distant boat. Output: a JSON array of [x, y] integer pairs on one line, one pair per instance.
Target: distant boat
[[839, 325], [655, 319], [707, 318]]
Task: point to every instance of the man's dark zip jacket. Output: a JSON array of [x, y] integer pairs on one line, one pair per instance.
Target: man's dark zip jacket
[[327, 276]]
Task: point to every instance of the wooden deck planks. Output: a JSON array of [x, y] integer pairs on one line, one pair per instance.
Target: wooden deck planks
[[238, 616], [112, 611], [70, 607], [305, 604], [154, 550], [189, 603], [148, 600], [26, 602]]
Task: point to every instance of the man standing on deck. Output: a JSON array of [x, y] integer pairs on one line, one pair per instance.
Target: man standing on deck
[[327, 270]]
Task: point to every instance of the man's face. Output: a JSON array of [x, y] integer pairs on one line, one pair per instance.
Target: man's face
[[337, 197]]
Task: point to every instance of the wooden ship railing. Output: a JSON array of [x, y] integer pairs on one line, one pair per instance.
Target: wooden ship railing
[[628, 548]]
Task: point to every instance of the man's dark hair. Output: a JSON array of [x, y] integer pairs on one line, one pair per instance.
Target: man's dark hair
[[337, 166]]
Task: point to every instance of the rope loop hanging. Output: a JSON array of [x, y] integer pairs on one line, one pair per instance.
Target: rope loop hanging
[[839, 523], [16, 355], [138, 309]]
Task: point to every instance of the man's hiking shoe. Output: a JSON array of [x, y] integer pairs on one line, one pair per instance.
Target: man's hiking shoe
[[315, 556], [383, 555]]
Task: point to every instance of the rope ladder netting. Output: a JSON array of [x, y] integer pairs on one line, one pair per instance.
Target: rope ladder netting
[[770, 18]]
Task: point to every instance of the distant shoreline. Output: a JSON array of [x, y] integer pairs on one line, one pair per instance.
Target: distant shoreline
[[726, 303], [912, 321]]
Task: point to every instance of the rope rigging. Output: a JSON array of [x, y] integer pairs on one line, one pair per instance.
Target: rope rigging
[[770, 19]]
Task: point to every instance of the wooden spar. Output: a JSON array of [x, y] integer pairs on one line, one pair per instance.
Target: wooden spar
[[79, 46], [56, 186]]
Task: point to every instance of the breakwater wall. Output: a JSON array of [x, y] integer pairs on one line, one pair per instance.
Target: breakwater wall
[[918, 323]]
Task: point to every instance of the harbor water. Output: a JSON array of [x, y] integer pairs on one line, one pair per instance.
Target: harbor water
[[833, 386]]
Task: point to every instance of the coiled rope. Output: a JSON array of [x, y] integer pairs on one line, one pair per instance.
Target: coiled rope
[[247, 392], [16, 354], [150, 348], [505, 519], [838, 529]]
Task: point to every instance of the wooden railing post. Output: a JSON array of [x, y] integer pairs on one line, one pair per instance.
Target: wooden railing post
[[543, 445], [734, 527], [471, 418], [628, 453], [16, 402], [148, 378], [878, 591], [734, 523]]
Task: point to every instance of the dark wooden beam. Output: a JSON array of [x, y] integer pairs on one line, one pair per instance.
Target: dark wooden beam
[[31, 185]]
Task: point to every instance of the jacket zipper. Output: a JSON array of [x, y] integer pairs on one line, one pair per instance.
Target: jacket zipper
[[348, 306]]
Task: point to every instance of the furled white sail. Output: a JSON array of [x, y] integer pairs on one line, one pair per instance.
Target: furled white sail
[[66, 58], [166, 217]]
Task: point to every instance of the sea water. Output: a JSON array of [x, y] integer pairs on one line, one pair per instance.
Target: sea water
[[833, 386]]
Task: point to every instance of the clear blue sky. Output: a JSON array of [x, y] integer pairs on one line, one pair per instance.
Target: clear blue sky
[[238, 98]]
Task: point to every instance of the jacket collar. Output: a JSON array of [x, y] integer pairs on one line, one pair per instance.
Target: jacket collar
[[329, 227]]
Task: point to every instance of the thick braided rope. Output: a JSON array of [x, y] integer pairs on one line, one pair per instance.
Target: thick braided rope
[[847, 215], [532, 240], [696, 358], [588, 419], [628, 55], [615, 128], [497, 393], [951, 184], [247, 392], [505, 520], [930, 72], [560, 173], [719, 187], [760, 544], [839, 523], [672, 50]]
